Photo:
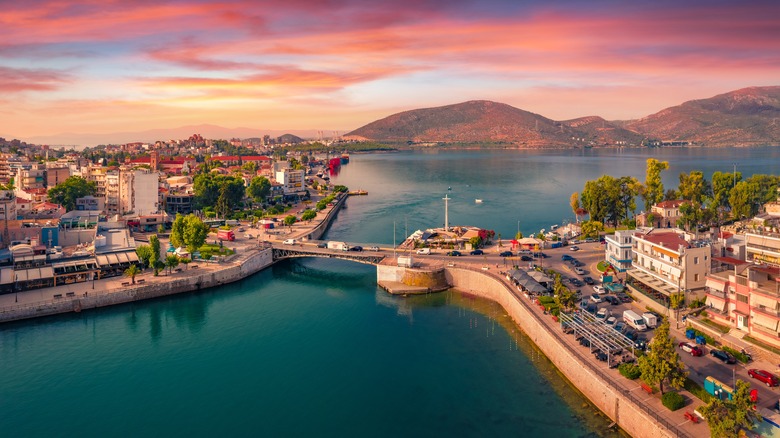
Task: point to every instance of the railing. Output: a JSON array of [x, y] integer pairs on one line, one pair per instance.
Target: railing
[[715, 293], [767, 311]]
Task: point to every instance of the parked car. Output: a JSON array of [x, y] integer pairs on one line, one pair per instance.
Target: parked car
[[454, 254], [574, 248], [576, 282], [566, 257], [356, 248], [623, 297], [592, 308], [599, 289], [322, 245], [540, 254], [723, 356], [524, 251], [506, 254], [611, 300], [579, 271], [619, 326], [596, 298], [476, 252], [694, 350], [526, 258], [603, 313], [589, 280], [611, 320], [765, 376]]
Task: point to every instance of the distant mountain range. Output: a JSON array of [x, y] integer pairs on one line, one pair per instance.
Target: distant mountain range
[[744, 117], [152, 135]]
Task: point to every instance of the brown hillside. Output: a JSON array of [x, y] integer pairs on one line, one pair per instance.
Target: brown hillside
[[469, 122], [750, 116], [599, 132]]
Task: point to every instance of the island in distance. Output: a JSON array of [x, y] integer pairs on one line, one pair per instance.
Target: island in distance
[[746, 117]]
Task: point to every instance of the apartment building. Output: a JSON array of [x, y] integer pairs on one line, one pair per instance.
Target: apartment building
[[666, 262], [291, 181], [619, 248], [133, 191]]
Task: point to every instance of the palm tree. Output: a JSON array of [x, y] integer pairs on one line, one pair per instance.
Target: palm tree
[[131, 272], [171, 261]]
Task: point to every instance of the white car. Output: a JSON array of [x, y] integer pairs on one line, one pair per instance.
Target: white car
[[611, 320], [289, 242], [596, 298], [603, 313], [574, 248], [598, 289], [579, 271]]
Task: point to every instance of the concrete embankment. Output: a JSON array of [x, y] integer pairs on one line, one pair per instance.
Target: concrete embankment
[[241, 267], [617, 403]]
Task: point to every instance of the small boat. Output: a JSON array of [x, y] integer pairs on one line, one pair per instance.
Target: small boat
[[478, 201], [449, 188]]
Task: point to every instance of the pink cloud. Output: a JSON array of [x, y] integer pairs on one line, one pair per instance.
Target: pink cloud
[[15, 80]]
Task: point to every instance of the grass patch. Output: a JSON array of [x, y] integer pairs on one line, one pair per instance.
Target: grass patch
[[719, 327], [697, 390], [602, 266], [755, 341]]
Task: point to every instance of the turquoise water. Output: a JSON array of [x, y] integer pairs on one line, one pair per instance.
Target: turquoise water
[[313, 347]]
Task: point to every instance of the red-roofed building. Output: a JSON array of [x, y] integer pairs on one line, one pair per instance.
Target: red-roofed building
[[172, 165], [236, 160], [665, 263], [665, 215]]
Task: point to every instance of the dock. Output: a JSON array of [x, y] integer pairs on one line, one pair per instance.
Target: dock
[[357, 193]]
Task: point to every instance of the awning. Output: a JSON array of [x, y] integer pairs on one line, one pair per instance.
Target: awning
[[716, 304], [7, 276], [715, 285], [764, 321], [761, 301]]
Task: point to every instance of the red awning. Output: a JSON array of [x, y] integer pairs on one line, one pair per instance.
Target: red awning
[[730, 260]]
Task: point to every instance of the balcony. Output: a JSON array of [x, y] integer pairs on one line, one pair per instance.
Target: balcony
[[767, 311], [764, 330], [716, 293]]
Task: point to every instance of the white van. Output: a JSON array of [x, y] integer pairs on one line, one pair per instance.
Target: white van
[[634, 320], [289, 242], [424, 251], [650, 319]]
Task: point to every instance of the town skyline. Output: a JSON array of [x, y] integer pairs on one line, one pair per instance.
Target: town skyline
[[95, 68]]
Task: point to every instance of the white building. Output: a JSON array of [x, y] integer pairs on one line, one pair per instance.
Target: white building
[[619, 249], [291, 181], [665, 263], [132, 191]]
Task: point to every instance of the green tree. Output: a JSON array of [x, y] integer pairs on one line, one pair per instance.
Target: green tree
[[131, 272], [177, 231], [340, 189], [744, 199], [670, 195], [576, 206], [518, 235], [475, 242], [726, 418], [676, 300], [144, 253], [158, 266], [69, 190], [608, 199], [662, 363], [722, 183], [290, 219], [259, 189], [223, 203], [564, 297], [653, 190], [154, 244], [592, 228], [185, 261], [171, 262], [308, 215], [694, 187], [195, 233]]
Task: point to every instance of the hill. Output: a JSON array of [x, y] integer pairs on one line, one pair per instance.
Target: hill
[[743, 117], [469, 122]]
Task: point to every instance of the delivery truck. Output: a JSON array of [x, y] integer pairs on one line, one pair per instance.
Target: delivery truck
[[338, 246], [650, 319], [226, 235], [635, 321]]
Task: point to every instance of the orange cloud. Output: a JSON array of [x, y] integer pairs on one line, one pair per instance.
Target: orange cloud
[[14, 80]]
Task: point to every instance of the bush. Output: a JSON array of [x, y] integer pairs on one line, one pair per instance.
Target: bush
[[673, 401], [629, 371], [737, 354], [697, 390]]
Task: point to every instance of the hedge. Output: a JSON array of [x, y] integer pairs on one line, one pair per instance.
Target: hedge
[[629, 371], [673, 401]]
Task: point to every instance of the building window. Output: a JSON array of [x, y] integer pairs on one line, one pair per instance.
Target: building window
[[695, 277], [742, 298], [695, 260]]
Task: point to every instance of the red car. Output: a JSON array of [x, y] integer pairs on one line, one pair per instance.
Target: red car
[[690, 348], [764, 376]]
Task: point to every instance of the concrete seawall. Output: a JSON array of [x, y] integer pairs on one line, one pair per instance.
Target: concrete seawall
[[618, 404], [249, 263]]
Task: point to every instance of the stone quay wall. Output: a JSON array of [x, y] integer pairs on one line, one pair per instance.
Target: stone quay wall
[[252, 262], [618, 404], [317, 232]]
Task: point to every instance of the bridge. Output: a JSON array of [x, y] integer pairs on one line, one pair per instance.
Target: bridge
[[310, 249]]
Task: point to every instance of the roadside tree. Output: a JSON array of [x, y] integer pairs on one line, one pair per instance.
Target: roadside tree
[[195, 233], [722, 183], [591, 228], [308, 215], [171, 262], [726, 418], [154, 244], [661, 364], [259, 189], [290, 219], [576, 206], [694, 188], [564, 297], [177, 231]]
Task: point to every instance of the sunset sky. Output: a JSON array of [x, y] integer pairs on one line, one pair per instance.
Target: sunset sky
[[103, 66]]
